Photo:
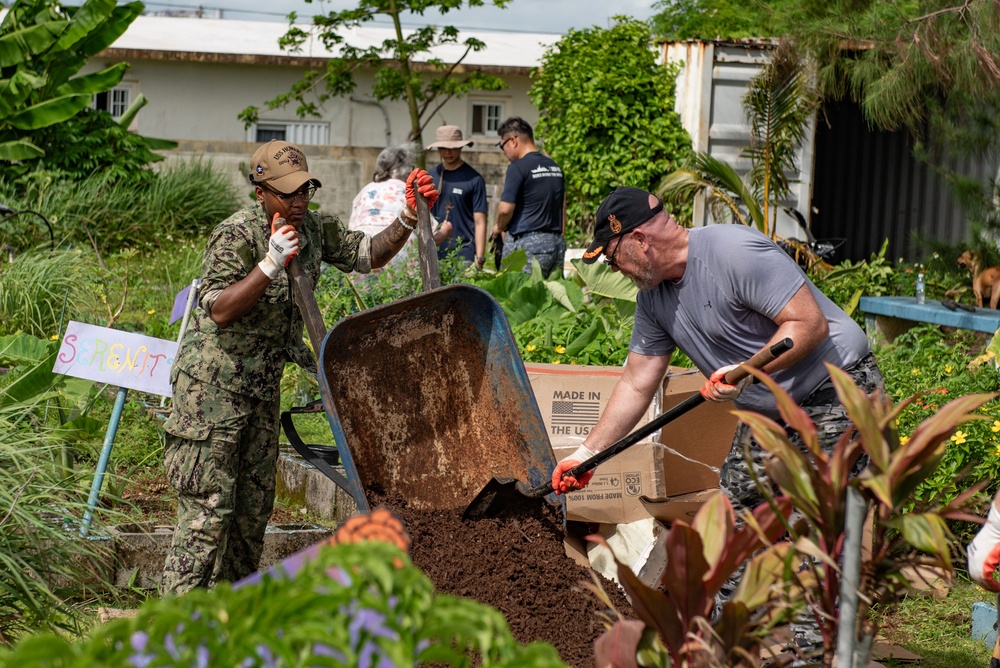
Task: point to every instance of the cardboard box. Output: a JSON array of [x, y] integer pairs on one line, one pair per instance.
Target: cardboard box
[[683, 459], [612, 496], [680, 507], [572, 398]]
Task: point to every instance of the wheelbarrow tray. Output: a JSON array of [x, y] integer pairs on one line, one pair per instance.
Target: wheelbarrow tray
[[428, 400]]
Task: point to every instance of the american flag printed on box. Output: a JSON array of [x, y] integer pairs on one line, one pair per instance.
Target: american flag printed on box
[[572, 413]]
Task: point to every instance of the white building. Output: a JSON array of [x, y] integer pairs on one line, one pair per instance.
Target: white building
[[198, 74]]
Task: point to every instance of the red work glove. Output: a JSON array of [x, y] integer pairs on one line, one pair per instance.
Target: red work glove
[[282, 247], [562, 485], [424, 185], [716, 389], [984, 552]]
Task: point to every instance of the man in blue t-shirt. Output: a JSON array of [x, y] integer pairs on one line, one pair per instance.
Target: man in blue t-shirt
[[532, 209], [463, 197]]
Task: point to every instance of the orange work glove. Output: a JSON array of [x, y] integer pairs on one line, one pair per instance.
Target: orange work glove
[[984, 552], [420, 181], [561, 484], [716, 389]]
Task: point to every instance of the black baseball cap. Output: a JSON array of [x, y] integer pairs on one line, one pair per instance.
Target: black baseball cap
[[621, 212]]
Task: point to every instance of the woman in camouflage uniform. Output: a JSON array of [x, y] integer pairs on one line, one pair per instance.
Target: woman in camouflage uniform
[[222, 435]]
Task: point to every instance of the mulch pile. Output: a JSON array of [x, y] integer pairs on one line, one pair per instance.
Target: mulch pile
[[517, 564]]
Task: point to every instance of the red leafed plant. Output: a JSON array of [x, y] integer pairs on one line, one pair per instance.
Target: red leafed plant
[[803, 571]]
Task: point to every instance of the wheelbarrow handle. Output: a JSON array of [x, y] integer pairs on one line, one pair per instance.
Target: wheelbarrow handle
[[758, 361]]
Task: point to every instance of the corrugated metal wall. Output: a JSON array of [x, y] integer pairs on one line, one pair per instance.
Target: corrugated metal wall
[[868, 187]]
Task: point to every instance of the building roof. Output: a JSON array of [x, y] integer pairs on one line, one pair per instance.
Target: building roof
[[257, 41]]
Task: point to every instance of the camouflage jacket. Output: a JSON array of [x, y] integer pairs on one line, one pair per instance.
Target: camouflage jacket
[[249, 356]]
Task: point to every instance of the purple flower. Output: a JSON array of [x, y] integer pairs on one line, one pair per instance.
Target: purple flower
[[320, 649]]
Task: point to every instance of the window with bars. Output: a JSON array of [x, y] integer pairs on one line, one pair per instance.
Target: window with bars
[[300, 133], [486, 117], [114, 101]]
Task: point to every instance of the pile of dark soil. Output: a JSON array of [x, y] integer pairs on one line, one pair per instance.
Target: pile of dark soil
[[517, 564]]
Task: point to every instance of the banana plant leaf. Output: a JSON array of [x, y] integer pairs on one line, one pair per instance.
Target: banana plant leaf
[[101, 37], [21, 45], [91, 84], [18, 150], [18, 88], [49, 112], [86, 19]]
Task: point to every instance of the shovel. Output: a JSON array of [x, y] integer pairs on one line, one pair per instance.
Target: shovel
[[505, 494]]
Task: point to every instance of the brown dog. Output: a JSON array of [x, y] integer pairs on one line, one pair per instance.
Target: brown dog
[[985, 283]]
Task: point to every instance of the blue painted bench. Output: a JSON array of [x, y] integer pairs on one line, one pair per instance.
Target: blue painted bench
[[888, 317]]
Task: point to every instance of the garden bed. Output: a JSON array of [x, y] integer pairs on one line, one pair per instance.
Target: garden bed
[[517, 564]]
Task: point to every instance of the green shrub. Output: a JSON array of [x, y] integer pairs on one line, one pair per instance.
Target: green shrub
[[40, 290], [42, 558], [350, 605], [184, 199]]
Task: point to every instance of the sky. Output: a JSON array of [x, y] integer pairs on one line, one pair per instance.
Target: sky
[[555, 16]]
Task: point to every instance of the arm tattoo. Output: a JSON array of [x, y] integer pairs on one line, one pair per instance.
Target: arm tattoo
[[387, 243]]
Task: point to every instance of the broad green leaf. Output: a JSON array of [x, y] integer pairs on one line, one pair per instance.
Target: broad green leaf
[[91, 84], [19, 46], [19, 149], [17, 89], [576, 346], [50, 112], [764, 571], [17, 349], [600, 280], [91, 15], [925, 531], [560, 294], [37, 381]]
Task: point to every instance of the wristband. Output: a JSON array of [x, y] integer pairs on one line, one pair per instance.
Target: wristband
[[268, 267]]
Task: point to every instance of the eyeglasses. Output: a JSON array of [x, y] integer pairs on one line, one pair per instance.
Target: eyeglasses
[[306, 194], [610, 259], [501, 144]]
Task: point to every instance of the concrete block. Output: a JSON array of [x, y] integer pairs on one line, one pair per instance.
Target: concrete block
[[984, 623], [300, 483], [141, 548]]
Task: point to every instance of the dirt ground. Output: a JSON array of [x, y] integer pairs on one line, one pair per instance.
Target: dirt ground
[[517, 564]]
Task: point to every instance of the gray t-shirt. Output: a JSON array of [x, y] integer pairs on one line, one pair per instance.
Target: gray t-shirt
[[721, 312]]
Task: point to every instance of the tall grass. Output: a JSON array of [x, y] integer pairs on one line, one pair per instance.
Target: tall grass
[[43, 561], [184, 199], [40, 290]]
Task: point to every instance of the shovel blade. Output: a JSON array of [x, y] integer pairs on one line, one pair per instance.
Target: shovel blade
[[502, 495]]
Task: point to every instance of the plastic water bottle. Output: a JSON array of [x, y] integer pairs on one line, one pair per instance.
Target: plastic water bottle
[[921, 288]]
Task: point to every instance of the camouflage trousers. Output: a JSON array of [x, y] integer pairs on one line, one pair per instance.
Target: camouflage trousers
[[549, 249], [737, 482], [221, 456]]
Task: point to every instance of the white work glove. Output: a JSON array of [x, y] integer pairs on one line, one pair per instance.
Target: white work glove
[[281, 248], [716, 388], [560, 484], [984, 552]]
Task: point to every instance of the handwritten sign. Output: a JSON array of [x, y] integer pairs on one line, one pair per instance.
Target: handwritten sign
[[123, 359]]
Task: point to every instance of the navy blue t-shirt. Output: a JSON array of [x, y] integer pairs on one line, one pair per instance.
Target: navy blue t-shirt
[[464, 191], [535, 186]]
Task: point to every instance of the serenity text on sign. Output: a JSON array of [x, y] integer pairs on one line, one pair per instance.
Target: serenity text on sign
[[123, 359]]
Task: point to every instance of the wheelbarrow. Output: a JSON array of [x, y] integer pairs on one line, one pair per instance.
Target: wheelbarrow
[[428, 399]]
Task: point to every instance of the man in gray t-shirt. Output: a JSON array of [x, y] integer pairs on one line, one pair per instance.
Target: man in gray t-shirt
[[721, 294]]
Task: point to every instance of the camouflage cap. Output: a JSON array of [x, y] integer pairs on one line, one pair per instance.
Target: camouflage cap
[[282, 166]]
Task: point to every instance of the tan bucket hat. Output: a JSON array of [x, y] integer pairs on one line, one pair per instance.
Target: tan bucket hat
[[281, 166], [449, 136]]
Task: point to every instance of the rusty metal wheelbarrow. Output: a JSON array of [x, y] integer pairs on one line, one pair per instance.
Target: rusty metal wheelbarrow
[[428, 399]]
